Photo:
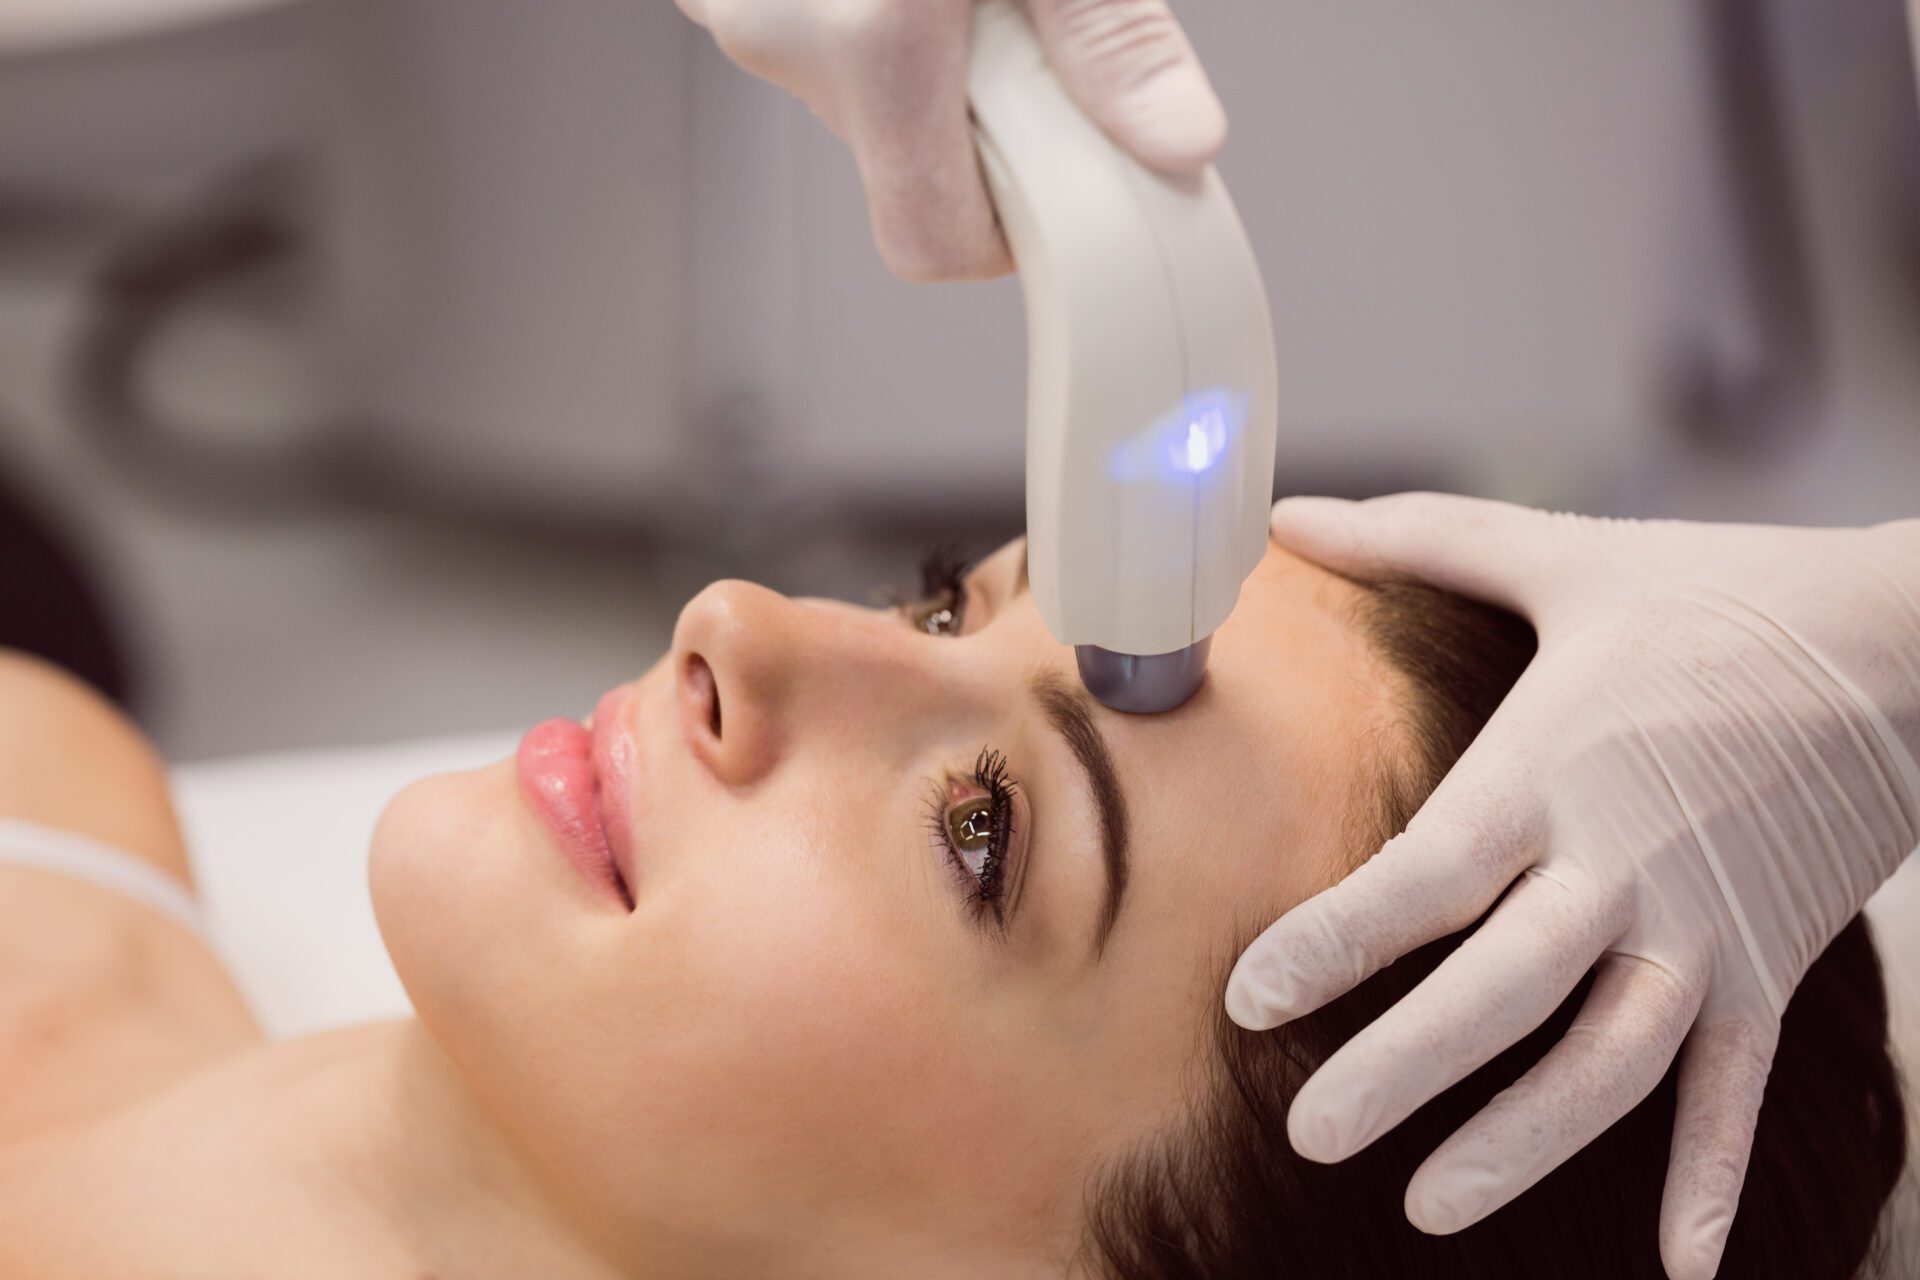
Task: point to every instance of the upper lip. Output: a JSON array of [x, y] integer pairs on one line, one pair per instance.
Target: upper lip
[[614, 763]]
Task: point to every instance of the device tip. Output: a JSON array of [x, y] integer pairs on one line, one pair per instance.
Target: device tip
[[1143, 684]]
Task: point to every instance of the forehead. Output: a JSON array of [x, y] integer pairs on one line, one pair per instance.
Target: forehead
[[1242, 803], [1266, 768], [1248, 798]]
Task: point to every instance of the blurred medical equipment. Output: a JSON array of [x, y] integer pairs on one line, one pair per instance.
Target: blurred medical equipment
[[1151, 382], [712, 318], [1708, 769], [563, 265]]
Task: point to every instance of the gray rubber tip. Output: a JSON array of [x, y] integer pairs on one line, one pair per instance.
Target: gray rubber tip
[[1143, 684]]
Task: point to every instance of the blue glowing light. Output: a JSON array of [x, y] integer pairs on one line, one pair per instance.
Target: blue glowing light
[[1198, 454], [1184, 442]]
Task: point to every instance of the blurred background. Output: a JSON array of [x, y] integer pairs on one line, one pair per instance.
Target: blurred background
[[379, 368]]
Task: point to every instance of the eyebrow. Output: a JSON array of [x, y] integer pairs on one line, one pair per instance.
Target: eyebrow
[[1067, 712]]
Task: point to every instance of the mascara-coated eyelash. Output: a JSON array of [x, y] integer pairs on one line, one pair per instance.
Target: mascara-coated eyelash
[[977, 833], [943, 571]]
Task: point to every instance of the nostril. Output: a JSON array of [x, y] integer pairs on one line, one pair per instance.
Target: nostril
[[706, 690]]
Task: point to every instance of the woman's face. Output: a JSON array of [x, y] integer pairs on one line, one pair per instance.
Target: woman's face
[[919, 936]]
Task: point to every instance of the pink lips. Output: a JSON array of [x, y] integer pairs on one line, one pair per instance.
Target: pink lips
[[579, 783]]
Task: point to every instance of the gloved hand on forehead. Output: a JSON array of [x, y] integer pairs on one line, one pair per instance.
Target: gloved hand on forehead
[[890, 78], [1706, 770]]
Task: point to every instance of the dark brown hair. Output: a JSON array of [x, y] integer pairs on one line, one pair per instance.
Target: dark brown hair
[[1227, 1199]]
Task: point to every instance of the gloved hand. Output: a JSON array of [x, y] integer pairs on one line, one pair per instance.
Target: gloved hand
[[1706, 770], [890, 78]]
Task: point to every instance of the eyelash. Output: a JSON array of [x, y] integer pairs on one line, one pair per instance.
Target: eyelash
[[986, 890], [943, 569]]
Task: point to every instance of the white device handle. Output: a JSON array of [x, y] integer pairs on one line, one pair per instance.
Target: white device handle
[[1151, 380]]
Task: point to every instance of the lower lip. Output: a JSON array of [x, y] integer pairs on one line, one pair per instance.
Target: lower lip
[[562, 787]]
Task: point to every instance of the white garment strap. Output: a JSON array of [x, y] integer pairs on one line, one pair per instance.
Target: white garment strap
[[44, 848]]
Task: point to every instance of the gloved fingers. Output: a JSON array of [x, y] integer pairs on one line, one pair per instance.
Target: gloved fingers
[[1130, 66], [890, 79], [1620, 1044], [1491, 551], [783, 42], [1476, 833], [1723, 1076], [901, 100], [1500, 983]]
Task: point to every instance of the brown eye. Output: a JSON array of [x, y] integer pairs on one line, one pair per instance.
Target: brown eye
[[974, 824], [937, 618], [970, 828], [971, 823]]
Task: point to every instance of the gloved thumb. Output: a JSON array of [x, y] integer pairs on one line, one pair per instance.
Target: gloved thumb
[[1492, 551], [1130, 66]]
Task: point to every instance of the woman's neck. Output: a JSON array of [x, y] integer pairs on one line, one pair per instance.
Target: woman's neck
[[428, 1155], [366, 1142]]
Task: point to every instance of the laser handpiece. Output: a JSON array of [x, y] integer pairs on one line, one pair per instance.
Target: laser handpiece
[[1151, 384]]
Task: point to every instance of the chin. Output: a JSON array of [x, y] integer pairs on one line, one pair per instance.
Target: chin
[[441, 862]]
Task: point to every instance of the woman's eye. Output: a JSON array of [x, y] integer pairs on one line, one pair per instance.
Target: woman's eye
[[970, 829], [940, 608], [974, 822], [937, 618]]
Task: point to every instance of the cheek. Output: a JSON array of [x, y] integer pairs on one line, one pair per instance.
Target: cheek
[[822, 993], [798, 1029], [787, 979]]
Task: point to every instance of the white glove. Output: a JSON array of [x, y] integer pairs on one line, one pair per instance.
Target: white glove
[[1706, 770], [890, 78]]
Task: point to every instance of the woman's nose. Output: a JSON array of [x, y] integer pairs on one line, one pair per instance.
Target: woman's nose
[[733, 657], [758, 674]]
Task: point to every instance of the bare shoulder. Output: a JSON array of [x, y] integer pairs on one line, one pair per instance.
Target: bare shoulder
[[70, 759], [101, 998]]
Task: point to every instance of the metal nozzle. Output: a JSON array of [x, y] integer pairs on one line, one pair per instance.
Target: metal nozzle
[[1143, 684]]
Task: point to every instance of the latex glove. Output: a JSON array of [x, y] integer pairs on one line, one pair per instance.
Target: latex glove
[[1706, 770], [890, 78]]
